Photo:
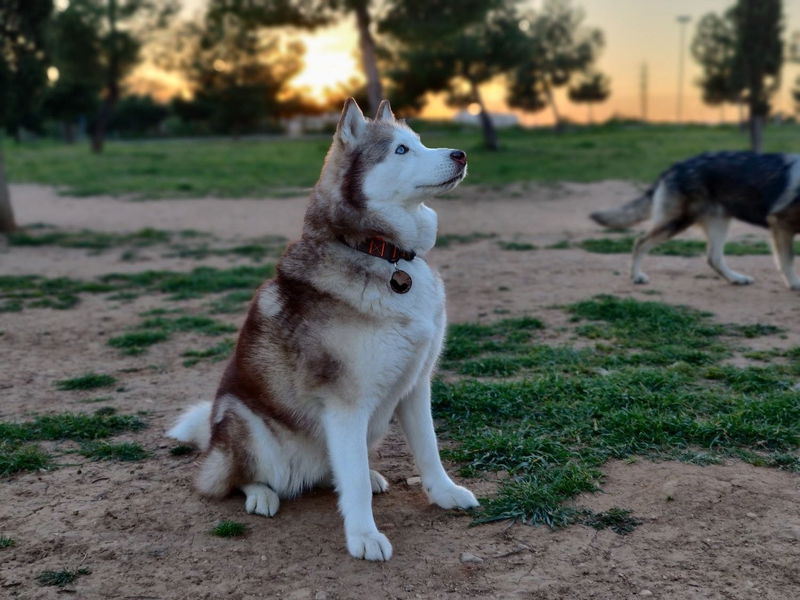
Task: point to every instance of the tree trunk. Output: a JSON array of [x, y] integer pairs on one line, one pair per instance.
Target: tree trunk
[[368, 57], [756, 127], [552, 101], [112, 83], [7, 222], [489, 132]]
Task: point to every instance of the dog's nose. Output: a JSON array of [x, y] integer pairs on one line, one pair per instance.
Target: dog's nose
[[459, 156]]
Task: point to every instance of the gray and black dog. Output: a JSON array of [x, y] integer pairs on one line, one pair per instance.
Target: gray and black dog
[[711, 189]]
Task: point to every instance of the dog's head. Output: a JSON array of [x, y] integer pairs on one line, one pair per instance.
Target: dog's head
[[378, 173]]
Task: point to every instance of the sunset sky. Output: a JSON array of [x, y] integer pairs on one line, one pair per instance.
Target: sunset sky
[[637, 32]]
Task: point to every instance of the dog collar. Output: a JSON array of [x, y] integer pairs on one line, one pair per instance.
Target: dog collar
[[377, 246], [400, 281]]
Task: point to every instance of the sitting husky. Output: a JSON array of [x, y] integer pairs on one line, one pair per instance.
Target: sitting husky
[[710, 189], [344, 337]]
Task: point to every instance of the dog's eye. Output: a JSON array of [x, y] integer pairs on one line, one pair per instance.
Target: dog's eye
[[401, 149]]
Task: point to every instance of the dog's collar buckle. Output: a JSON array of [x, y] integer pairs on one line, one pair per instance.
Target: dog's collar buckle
[[379, 247]]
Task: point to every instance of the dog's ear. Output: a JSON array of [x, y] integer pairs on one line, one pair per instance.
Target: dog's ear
[[351, 123], [384, 112]]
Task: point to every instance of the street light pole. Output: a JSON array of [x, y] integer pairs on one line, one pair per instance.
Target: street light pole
[[682, 21]]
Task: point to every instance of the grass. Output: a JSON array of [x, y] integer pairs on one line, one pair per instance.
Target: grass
[[158, 329], [519, 246], [446, 240], [226, 168], [126, 451], [32, 291], [60, 578], [619, 520], [229, 529], [649, 379], [6, 542], [216, 353], [93, 240], [18, 451], [181, 450], [624, 245], [89, 381]]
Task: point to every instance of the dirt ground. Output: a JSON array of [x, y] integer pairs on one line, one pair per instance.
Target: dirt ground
[[724, 531]]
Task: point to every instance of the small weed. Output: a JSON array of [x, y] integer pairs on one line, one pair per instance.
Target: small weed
[[448, 239], [6, 542], [229, 529], [519, 246], [16, 457], [181, 450], [136, 342], [219, 352], [126, 451], [89, 381], [619, 520], [60, 578]]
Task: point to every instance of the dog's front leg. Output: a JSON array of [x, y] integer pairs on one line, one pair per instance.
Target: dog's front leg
[[416, 420], [346, 436]]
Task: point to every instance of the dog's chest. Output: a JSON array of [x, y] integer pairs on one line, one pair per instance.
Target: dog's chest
[[401, 335]]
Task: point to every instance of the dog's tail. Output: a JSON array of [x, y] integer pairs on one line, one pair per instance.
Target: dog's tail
[[628, 214], [194, 426]]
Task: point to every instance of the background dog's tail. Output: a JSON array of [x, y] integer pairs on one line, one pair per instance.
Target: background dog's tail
[[628, 214], [194, 426]]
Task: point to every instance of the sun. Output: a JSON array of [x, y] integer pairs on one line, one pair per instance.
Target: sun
[[331, 59]]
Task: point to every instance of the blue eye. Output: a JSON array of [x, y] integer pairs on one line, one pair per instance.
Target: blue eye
[[401, 149]]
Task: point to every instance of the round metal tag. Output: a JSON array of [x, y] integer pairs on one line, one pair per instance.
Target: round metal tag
[[400, 282]]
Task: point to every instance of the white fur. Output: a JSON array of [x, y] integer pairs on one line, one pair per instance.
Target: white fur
[[389, 356], [193, 426]]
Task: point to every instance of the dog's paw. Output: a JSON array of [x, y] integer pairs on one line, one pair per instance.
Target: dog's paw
[[739, 279], [378, 482], [372, 545], [640, 278], [452, 496], [261, 499]]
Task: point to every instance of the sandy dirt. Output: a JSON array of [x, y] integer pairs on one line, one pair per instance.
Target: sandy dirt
[[724, 531]]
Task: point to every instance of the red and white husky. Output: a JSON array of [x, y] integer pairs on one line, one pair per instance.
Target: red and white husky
[[344, 337]]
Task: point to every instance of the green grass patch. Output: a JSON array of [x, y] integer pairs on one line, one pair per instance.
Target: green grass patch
[[60, 578], [450, 239], [624, 245], [32, 291], [136, 342], [651, 382], [229, 529], [90, 381], [6, 542], [222, 167], [181, 450], [19, 452], [155, 330], [126, 451], [92, 240], [216, 353], [517, 246]]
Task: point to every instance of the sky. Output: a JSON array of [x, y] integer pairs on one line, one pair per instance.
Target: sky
[[637, 33]]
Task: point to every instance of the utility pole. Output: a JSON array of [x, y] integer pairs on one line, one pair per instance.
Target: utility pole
[[682, 21], [643, 91]]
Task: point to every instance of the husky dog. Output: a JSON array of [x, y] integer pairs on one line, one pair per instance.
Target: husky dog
[[710, 190], [344, 337]]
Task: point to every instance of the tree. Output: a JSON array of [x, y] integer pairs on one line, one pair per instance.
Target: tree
[[796, 95], [310, 15], [714, 47], [120, 26], [592, 87], [238, 73], [741, 53], [454, 48], [22, 74], [75, 46], [558, 48]]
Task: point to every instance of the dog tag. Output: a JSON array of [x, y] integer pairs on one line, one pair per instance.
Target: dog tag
[[400, 282]]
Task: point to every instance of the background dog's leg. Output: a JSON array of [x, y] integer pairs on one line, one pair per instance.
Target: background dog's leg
[[716, 229], [783, 253], [417, 422], [346, 434], [648, 241]]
